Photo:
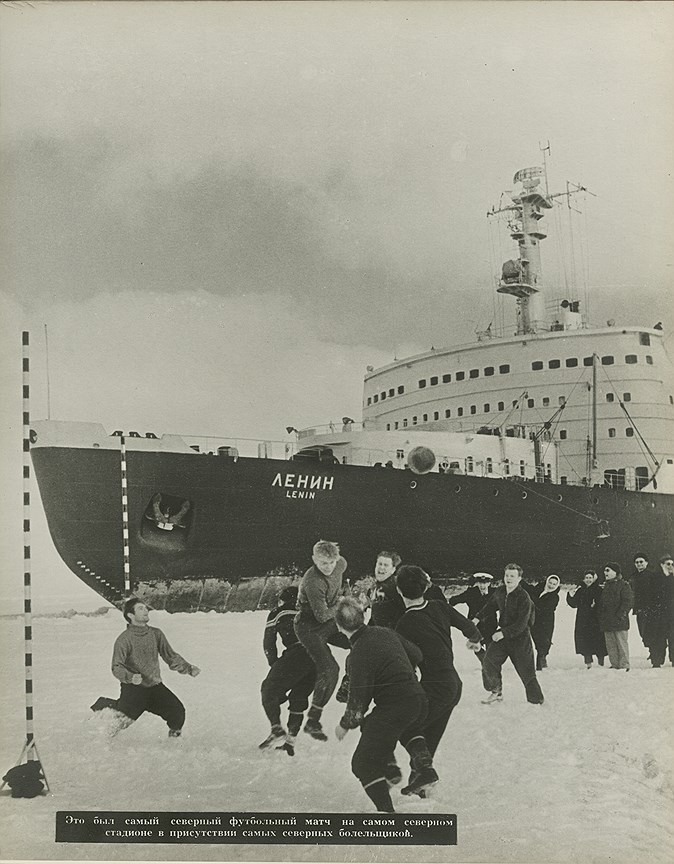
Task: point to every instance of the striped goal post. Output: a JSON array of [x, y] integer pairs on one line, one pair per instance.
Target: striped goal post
[[30, 746]]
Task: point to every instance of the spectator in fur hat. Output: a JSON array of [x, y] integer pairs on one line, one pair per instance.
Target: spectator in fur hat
[[649, 602], [615, 603]]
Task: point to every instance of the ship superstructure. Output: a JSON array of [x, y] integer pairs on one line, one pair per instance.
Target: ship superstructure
[[604, 395]]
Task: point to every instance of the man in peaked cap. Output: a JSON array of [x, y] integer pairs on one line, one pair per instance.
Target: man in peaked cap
[[475, 597]]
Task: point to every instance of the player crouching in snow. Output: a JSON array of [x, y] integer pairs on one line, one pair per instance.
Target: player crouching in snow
[[380, 668], [291, 678], [135, 663]]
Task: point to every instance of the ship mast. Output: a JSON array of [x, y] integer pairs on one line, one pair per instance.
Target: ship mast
[[591, 453], [521, 277]]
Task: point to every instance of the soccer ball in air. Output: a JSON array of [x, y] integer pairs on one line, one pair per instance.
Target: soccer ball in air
[[421, 460]]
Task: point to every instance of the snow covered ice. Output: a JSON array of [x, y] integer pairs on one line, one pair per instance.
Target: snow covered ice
[[587, 777]]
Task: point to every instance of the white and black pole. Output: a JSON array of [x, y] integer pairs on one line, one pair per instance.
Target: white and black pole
[[30, 745], [125, 519]]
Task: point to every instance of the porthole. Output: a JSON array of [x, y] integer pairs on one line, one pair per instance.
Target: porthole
[[457, 489], [413, 484], [524, 495], [595, 500], [653, 504], [626, 504], [560, 498], [496, 493]]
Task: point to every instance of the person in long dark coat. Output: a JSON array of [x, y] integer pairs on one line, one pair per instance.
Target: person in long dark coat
[[587, 636], [665, 630], [649, 602], [545, 602]]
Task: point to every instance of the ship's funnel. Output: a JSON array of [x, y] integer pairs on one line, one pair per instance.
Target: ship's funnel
[[421, 460]]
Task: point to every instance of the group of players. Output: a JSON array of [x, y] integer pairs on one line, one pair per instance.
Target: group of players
[[409, 627]]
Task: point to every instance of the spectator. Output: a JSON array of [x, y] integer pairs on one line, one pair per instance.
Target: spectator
[[614, 607], [475, 598], [587, 635], [545, 602], [648, 593]]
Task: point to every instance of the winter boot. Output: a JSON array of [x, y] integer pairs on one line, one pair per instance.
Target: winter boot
[[104, 702], [294, 723], [342, 694], [313, 725], [288, 745], [492, 697], [393, 773], [423, 774], [277, 734], [377, 792], [314, 728], [411, 785], [422, 780]]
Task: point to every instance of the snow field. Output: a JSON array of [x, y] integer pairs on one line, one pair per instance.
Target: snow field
[[586, 777]]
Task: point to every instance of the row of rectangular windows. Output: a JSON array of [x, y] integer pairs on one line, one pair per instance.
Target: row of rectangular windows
[[572, 362], [629, 431], [488, 371]]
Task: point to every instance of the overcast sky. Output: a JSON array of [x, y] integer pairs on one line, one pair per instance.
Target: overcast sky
[[224, 211]]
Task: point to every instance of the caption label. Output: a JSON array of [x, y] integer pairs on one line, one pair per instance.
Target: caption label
[[216, 828]]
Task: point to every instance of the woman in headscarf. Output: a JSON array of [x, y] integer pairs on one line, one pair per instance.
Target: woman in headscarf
[[587, 636], [545, 600]]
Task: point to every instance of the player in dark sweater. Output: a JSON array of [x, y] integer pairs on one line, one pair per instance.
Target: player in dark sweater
[[385, 605], [320, 588], [427, 624], [512, 639], [381, 670], [291, 677]]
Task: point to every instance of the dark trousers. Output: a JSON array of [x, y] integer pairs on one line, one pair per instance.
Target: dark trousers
[[440, 707], [292, 678], [521, 655], [380, 731], [653, 629], [316, 639], [669, 639], [134, 700]]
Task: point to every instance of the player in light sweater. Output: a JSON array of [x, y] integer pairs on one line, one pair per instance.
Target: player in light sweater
[[135, 663]]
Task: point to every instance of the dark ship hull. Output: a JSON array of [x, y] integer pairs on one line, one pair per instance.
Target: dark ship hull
[[250, 516]]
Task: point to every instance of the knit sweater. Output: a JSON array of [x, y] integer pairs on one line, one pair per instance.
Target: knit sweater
[[516, 611], [429, 627], [318, 594], [137, 651], [380, 668]]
